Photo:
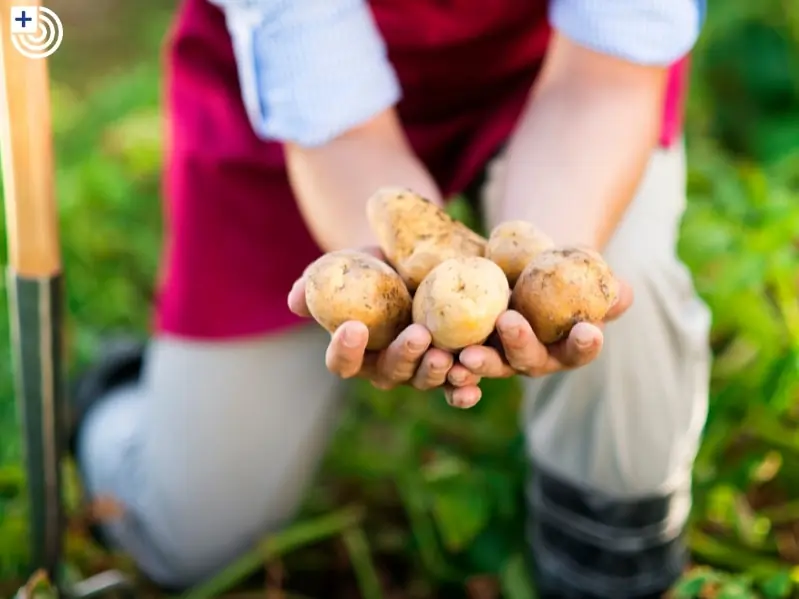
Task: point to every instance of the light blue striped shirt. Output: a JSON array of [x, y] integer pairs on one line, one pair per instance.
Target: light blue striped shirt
[[312, 69]]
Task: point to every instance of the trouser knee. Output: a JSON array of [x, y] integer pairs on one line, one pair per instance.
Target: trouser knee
[[629, 423]]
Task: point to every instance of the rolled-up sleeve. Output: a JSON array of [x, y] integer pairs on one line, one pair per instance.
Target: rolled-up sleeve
[[648, 32], [309, 69]]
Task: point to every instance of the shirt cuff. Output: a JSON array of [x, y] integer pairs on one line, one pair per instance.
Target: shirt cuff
[[646, 32], [310, 70]]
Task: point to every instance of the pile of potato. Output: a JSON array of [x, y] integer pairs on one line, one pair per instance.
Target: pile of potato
[[453, 281]]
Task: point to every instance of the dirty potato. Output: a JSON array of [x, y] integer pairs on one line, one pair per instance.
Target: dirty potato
[[561, 287], [460, 300], [513, 244], [348, 285], [416, 235]]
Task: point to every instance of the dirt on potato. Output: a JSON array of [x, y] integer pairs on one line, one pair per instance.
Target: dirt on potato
[[513, 244], [416, 235], [348, 285], [460, 300], [561, 287]]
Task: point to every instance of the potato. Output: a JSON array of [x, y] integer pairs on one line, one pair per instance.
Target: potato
[[416, 235], [348, 285], [562, 287], [513, 244], [460, 300]]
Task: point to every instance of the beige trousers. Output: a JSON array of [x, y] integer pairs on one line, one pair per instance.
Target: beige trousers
[[218, 441]]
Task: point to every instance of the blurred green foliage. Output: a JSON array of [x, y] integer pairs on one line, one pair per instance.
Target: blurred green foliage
[[434, 494]]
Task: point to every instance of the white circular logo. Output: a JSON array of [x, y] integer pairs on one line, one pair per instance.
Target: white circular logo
[[36, 31]]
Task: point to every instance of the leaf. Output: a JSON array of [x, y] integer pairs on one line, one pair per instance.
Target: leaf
[[460, 510], [357, 546], [783, 383], [514, 579], [278, 544], [461, 210], [694, 583], [12, 480], [741, 272], [778, 586], [414, 500], [494, 547], [735, 590]]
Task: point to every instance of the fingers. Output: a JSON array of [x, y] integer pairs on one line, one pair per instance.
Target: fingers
[[400, 361], [410, 359], [463, 397], [624, 301], [460, 376], [432, 372], [374, 251], [580, 348], [407, 360], [525, 354], [523, 351], [345, 353], [485, 362], [296, 299]]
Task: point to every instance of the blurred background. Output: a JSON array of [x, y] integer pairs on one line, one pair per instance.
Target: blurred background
[[415, 498]]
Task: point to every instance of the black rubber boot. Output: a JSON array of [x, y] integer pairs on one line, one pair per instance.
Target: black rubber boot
[[119, 363], [589, 546]]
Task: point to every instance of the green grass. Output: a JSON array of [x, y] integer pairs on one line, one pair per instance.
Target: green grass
[[414, 495]]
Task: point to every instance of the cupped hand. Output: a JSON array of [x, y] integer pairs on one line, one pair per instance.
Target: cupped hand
[[409, 360], [518, 351]]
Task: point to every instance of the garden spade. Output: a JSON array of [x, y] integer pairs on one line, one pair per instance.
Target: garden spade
[[34, 290]]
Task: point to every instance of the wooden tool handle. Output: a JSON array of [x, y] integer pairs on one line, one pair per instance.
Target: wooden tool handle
[[27, 157]]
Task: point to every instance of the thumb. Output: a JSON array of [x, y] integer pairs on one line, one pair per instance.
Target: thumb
[[374, 251], [623, 301], [296, 299]]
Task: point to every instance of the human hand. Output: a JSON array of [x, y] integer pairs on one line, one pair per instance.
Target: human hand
[[516, 350], [409, 360]]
